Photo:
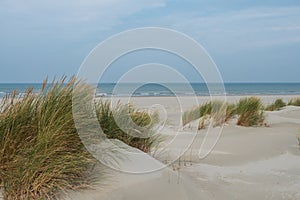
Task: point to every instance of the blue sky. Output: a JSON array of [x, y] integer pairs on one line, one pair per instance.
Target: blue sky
[[250, 41]]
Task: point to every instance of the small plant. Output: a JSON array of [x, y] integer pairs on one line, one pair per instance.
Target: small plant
[[250, 111], [277, 105], [294, 102]]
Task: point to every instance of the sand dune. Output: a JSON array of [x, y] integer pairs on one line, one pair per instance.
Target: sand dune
[[247, 163]]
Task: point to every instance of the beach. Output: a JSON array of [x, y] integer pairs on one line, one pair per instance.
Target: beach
[[246, 163], [150, 100]]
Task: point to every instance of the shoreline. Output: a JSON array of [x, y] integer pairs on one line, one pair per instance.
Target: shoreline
[[188, 102], [202, 95]]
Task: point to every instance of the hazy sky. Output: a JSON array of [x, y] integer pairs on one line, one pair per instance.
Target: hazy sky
[[250, 41]]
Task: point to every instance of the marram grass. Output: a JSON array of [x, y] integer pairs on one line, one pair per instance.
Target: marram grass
[[196, 113], [191, 115], [127, 124], [40, 150], [277, 105], [294, 102], [250, 111], [218, 111], [41, 154]]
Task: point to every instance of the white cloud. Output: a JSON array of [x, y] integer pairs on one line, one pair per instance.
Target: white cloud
[[240, 29], [49, 17]]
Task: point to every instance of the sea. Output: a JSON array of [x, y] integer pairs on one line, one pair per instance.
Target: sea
[[170, 89]]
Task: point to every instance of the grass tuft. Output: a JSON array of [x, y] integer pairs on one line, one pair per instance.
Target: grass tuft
[[191, 115], [277, 105], [230, 111], [250, 111], [294, 102], [40, 150], [219, 111], [196, 113], [127, 124]]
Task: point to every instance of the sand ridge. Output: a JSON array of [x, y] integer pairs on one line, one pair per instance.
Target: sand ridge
[[247, 163]]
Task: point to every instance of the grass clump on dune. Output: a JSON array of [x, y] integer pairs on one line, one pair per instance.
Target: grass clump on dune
[[277, 105], [41, 154], [218, 111], [230, 111], [294, 102], [205, 112], [196, 113], [127, 124], [250, 111], [191, 115]]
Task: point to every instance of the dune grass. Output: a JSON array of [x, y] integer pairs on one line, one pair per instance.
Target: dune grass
[[196, 113], [191, 115], [127, 124], [277, 105], [294, 102], [205, 110], [40, 150], [250, 111], [230, 111], [219, 111], [41, 154]]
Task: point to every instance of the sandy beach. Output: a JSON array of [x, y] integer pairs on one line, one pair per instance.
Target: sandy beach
[[150, 100], [246, 163]]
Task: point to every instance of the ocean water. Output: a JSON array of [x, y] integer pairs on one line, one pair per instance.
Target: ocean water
[[170, 89]]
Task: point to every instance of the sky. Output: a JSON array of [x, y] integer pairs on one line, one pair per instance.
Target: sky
[[249, 40]]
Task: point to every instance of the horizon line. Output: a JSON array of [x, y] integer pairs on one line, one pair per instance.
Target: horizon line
[[228, 82]]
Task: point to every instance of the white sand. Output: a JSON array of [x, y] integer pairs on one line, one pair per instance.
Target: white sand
[[247, 163]]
